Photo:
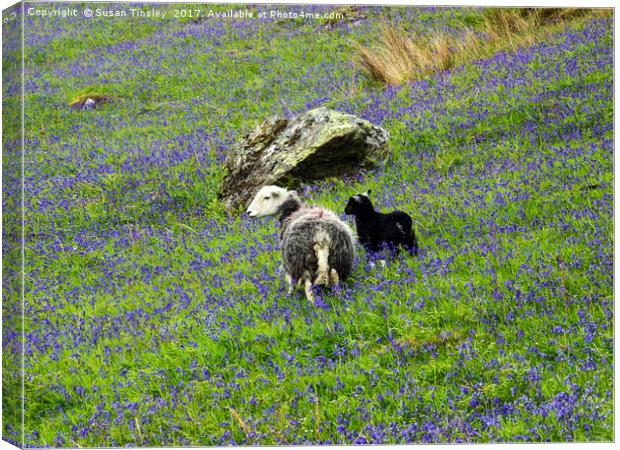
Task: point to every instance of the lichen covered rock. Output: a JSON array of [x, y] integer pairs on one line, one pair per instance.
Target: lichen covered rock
[[316, 144]]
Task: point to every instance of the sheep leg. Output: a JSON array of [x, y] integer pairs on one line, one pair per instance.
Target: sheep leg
[[291, 284], [308, 289], [412, 244], [334, 279], [393, 248]]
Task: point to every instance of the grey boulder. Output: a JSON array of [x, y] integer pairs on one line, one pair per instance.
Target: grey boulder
[[315, 144]]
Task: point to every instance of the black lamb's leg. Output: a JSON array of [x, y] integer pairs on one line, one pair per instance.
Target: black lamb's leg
[[393, 248], [412, 244], [372, 251]]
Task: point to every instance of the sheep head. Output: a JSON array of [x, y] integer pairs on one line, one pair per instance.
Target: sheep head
[[268, 200], [359, 204]]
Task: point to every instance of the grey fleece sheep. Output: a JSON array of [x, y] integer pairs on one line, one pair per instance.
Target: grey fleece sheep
[[317, 247]]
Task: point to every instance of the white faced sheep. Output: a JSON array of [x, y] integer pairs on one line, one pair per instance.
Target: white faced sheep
[[317, 247], [375, 229]]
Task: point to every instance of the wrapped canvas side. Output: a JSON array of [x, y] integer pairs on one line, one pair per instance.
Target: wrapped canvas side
[[12, 225]]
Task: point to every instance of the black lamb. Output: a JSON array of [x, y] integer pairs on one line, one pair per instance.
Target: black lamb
[[375, 229]]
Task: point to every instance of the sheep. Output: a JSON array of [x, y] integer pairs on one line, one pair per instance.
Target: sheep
[[374, 229], [317, 247]]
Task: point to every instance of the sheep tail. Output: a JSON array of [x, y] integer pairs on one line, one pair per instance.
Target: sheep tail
[[321, 249]]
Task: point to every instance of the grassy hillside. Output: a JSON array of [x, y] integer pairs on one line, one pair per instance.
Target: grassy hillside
[[153, 317]]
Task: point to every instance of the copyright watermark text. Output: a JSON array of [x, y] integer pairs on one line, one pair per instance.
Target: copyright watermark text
[[55, 12], [182, 13]]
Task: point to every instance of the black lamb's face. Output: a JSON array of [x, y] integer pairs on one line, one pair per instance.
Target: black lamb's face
[[357, 204]]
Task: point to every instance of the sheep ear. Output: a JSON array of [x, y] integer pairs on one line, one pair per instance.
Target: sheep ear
[[367, 194], [293, 194]]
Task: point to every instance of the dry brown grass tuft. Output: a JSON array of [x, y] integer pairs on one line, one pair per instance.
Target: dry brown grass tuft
[[546, 16], [398, 57], [603, 12], [246, 429], [506, 22]]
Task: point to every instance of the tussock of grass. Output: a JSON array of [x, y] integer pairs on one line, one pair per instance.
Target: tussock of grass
[[398, 57], [246, 429], [546, 16], [78, 102]]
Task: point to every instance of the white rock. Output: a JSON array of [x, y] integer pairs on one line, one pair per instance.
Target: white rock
[[89, 104]]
